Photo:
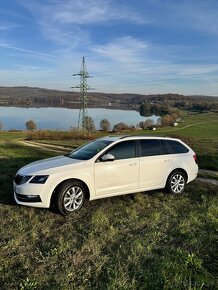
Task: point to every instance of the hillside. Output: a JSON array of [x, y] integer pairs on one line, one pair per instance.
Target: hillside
[[34, 96]]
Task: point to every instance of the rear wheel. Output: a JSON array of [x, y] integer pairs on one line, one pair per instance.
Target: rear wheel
[[70, 197], [176, 182]]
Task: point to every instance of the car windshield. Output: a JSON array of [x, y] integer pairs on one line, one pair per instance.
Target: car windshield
[[89, 150]]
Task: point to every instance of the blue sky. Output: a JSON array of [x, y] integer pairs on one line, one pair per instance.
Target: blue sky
[[135, 46]]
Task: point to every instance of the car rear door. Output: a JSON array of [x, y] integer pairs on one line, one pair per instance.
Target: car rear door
[[155, 163]]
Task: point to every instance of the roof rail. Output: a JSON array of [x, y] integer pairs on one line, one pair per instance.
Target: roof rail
[[141, 135]]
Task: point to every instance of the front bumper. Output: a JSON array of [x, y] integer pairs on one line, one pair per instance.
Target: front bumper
[[31, 195]]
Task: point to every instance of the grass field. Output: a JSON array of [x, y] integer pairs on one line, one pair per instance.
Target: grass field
[[144, 241]]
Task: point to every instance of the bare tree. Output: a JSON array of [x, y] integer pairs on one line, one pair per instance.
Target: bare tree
[[89, 124]]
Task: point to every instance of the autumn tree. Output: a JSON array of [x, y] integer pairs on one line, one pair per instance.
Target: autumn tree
[[168, 120], [105, 125], [31, 125]]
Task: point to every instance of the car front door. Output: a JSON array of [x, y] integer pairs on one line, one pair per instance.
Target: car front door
[[120, 175]]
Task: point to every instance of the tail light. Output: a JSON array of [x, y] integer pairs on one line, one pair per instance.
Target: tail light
[[195, 157]]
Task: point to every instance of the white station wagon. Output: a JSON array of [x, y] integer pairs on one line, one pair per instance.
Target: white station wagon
[[106, 167]]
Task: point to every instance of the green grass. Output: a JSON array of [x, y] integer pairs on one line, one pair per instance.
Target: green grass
[[5, 135], [145, 241]]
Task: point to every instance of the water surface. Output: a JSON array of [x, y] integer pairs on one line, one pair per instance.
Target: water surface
[[14, 118]]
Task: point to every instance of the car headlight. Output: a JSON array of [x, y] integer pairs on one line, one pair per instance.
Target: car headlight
[[25, 179], [39, 179]]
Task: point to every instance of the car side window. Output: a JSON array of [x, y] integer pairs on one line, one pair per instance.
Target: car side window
[[177, 147], [150, 147], [123, 150]]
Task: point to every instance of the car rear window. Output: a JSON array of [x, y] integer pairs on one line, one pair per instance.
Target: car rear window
[[177, 147]]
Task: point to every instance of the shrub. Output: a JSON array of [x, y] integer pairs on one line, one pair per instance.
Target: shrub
[[120, 127], [73, 134]]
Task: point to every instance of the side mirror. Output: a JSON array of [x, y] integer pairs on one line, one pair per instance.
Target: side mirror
[[107, 157]]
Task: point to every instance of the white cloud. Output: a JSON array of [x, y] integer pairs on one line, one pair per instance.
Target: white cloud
[[199, 70], [27, 68], [65, 22], [125, 49], [91, 11], [198, 15], [24, 50], [13, 14], [5, 26]]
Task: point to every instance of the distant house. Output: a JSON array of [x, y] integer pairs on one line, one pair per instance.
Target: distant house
[[153, 128]]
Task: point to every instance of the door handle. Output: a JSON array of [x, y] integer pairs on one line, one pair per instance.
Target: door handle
[[133, 164]]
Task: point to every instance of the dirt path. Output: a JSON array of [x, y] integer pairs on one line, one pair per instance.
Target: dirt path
[[48, 147]]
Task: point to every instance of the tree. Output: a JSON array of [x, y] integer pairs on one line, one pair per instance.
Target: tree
[[1, 125], [165, 121], [105, 125], [89, 124], [144, 109], [31, 125]]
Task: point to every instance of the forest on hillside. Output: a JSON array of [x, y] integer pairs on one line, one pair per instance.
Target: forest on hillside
[[36, 97]]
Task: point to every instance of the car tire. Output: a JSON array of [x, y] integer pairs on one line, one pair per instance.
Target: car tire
[[176, 182], [69, 197]]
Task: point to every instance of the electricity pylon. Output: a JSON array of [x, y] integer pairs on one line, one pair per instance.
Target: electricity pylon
[[83, 120]]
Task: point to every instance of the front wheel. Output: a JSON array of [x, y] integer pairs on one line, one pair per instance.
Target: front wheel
[[70, 197], [176, 182]]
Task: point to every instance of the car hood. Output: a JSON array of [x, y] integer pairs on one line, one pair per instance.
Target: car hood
[[49, 163]]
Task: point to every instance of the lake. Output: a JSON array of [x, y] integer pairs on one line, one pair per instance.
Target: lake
[[14, 118]]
